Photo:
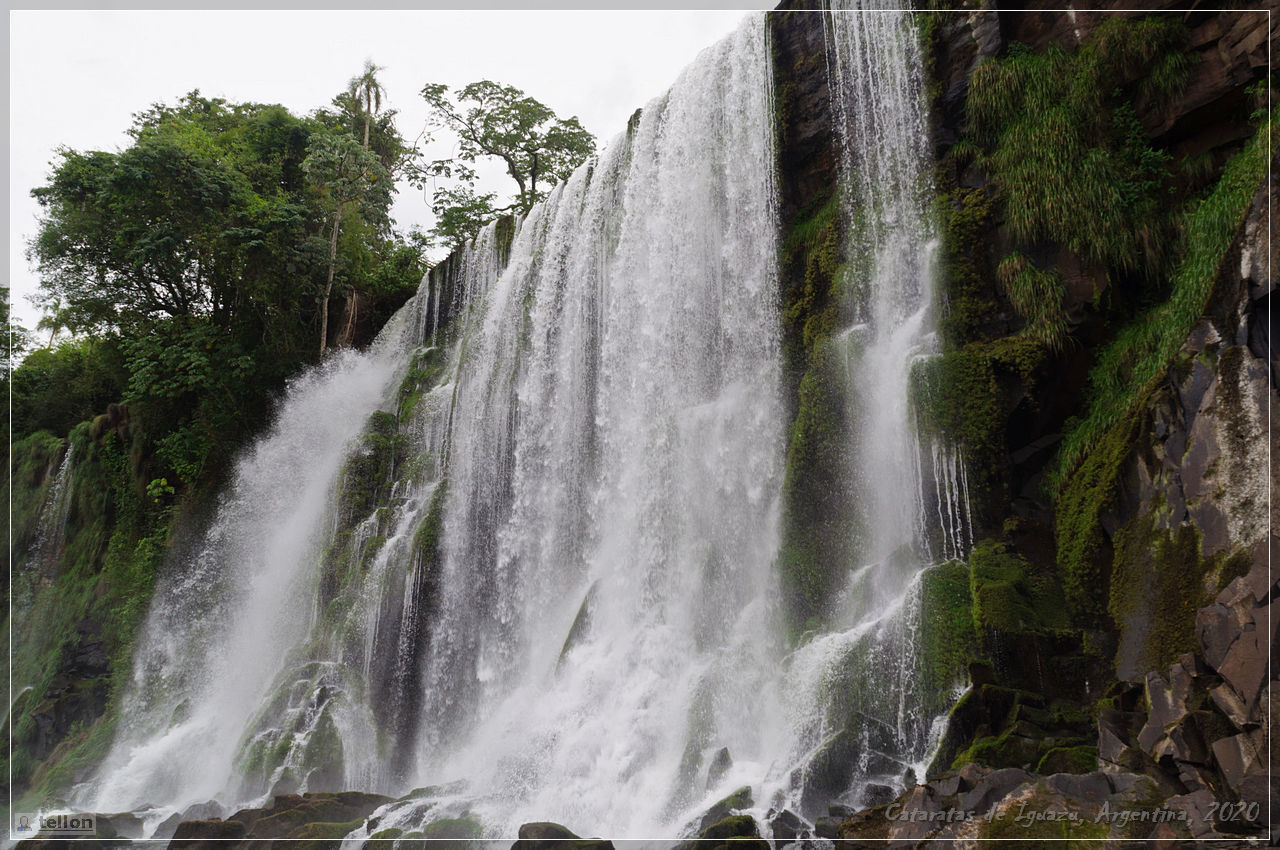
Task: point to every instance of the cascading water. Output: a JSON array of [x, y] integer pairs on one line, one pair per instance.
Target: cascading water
[[51, 529], [222, 625], [531, 565], [597, 464], [862, 711]]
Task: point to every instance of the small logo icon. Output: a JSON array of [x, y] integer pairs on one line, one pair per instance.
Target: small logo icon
[[54, 825]]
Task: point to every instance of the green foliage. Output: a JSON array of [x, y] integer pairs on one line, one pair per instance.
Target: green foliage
[[494, 120], [1039, 298], [1074, 165], [346, 173], [56, 388], [460, 214], [114, 542], [1128, 368], [187, 266], [501, 122]]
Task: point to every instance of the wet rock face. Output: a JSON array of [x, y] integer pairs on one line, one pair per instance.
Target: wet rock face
[[78, 693], [1198, 461], [806, 145]]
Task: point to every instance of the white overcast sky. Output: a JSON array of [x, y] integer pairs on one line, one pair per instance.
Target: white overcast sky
[[77, 76]]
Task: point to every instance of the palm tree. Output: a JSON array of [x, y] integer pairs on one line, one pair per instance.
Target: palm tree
[[367, 93]]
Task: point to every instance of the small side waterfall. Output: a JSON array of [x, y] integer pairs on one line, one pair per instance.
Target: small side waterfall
[[52, 523], [863, 710]]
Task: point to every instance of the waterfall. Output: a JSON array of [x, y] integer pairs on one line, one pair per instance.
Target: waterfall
[[596, 458], [223, 623], [52, 523], [860, 711], [521, 554]]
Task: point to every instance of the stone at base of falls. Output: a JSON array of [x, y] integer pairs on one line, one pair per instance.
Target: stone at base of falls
[[788, 826], [316, 816], [736, 831], [738, 800], [552, 836]]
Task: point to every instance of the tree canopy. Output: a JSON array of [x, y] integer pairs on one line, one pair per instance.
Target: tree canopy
[[195, 267], [538, 148]]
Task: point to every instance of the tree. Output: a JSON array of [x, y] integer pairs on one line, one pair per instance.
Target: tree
[[349, 176], [500, 121], [460, 213], [191, 258], [367, 93]]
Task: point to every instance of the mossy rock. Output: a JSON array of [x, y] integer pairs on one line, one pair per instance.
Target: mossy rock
[[324, 835], [387, 834], [1009, 597], [738, 800], [463, 830], [947, 637], [736, 831], [1079, 759], [1159, 580]]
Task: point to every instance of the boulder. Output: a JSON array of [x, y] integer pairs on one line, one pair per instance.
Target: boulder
[[544, 835], [875, 794], [206, 834], [738, 800], [827, 827], [992, 788], [787, 826]]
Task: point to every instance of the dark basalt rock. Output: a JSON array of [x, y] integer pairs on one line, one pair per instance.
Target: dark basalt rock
[[874, 794], [720, 765], [290, 816], [203, 834], [788, 826], [552, 836]]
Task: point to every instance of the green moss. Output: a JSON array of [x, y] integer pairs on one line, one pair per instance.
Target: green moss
[[367, 475], [947, 637], [1078, 759], [426, 539], [1159, 580], [965, 216], [424, 373], [1023, 745], [463, 830], [817, 531], [329, 830], [1008, 597], [1082, 545], [387, 834], [734, 826], [965, 397]]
